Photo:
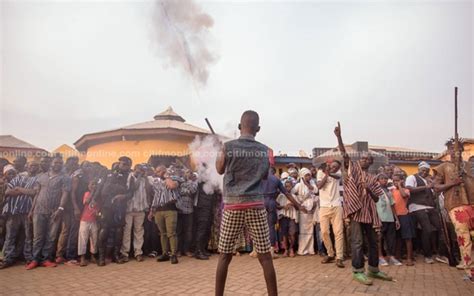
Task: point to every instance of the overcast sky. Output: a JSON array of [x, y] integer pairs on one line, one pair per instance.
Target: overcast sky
[[386, 70]]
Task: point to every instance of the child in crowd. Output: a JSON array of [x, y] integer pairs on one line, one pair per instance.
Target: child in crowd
[[390, 223], [88, 229], [288, 220], [407, 228]]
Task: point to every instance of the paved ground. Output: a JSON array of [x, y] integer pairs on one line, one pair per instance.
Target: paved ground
[[296, 276]]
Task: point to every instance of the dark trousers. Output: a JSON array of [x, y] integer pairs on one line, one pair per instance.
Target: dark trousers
[[359, 231], [185, 232], [72, 242], [64, 233], [272, 219], [45, 231], [430, 225], [16, 241], [347, 241], [151, 242], [319, 244], [3, 230], [203, 220], [67, 242], [389, 236], [454, 241], [112, 223]]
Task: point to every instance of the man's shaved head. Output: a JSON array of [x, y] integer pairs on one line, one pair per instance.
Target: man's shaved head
[[249, 122]]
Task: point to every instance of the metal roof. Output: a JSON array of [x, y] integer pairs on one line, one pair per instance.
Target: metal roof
[[9, 141], [165, 122]]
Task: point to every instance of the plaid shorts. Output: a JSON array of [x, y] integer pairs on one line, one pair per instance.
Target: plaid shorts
[[233, 222]]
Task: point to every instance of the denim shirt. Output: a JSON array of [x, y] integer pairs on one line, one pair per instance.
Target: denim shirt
[[246, 164]]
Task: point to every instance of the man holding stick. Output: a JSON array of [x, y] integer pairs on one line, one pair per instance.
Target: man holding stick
[[457, 186], [361, 192], [458, 191], [244, 163]]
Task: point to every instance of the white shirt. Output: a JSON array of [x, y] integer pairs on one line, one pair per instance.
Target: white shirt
[[329, 195], [291, 213], [411, 182]]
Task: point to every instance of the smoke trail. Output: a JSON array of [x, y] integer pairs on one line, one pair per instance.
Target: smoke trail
[[182, 35], [204, 152]]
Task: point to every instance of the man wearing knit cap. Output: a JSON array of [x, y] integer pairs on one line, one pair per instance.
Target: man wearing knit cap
[[421, 207]]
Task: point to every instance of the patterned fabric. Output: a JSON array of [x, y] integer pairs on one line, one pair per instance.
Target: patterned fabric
[[162, 195], [233, 222], [51, 188], [463, 221], [139, 201], [20, 204], [187, 191], [3, 188], [358, 205]]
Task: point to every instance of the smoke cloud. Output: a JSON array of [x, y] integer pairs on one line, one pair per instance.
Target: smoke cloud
[[204, 152], [182, 36]]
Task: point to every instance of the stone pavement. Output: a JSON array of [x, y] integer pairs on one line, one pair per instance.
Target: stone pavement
[[296, 276]]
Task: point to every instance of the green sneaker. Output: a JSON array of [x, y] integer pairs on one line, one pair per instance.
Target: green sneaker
[[361, 278], [379, 275]]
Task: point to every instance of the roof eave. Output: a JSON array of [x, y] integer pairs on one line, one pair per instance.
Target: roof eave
[[82, 143]]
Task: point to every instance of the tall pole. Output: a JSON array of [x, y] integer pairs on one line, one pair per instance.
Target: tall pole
[[210, 126], [449, 244], [456, 135]]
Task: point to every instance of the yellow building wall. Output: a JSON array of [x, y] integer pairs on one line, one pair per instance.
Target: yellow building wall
[[138, 151], [468, 153], [67, 151], [410, 169], [10, 157]]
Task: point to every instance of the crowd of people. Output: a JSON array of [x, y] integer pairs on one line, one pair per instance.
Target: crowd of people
[[411, 215], [56, 212]]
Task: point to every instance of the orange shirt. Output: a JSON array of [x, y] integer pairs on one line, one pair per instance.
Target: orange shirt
[[400, 202]]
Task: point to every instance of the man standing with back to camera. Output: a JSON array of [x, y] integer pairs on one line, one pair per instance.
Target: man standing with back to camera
[[244, 164]]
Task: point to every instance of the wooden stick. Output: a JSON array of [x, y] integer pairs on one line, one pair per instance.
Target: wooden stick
[[456, 135], [210, 126]]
